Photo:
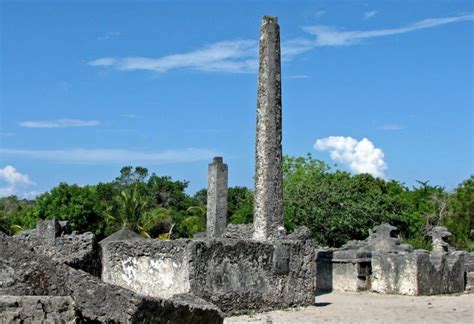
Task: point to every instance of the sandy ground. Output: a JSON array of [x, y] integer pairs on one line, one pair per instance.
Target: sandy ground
[[338, 307]]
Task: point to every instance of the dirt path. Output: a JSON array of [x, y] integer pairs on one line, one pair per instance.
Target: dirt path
[[338, 307]]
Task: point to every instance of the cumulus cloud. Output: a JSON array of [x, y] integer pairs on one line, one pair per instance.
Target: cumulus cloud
[[15, 183], [360, 156], [59, 123], [113, 155]]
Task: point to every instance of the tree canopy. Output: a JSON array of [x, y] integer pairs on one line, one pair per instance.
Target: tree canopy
[[335, 205]]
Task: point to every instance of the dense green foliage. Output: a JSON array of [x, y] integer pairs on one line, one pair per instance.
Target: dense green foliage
[[336, 206], [460, 218]]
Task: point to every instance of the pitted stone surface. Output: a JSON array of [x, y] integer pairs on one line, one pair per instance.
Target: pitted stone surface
[[216, 220], [418, 273], [301, 233], [38, 309], [268, 213], [121, 235], [79, 251], [239, 275], [383, 264], [235, 275], [24, 272], [440, 236], [383, 238], [239, 231], [152, 267]]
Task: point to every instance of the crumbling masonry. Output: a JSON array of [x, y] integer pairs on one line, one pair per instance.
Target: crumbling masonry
[[216, 220], [51, 275], [382, 264], [268, 215], [238, 267]]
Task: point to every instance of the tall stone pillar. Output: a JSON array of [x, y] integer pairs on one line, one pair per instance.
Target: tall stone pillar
[[216, 198], [268, 213]]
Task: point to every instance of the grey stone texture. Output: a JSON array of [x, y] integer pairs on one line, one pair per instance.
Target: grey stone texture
[[349, 268], [216, 198], [239, 231], [268, 214], [151, 267], [300, 233], [38, 309], [120, 235], [417, 273], [235, 275], [440, 236], [50, 238], [381, 263], [342, 270], [383, 238], [26, 273], [469, 272]]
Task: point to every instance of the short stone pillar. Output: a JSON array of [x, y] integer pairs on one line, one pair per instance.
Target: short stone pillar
[[268, 213], [440, 236], [49, 230], [216, 198]]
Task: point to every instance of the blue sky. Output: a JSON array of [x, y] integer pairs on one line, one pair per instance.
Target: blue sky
[[384, 87]]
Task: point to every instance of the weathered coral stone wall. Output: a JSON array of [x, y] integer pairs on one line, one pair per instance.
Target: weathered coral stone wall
[[233, 274], [418, 273], [241, 274], [150, 267], [23, 272]]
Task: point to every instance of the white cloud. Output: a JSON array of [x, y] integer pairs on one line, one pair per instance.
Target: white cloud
[[113, 155], [15, 183], [294, 47], [241, 56], [370, 14], [59, 123], [226, 56], [328, 36], [360, 156]]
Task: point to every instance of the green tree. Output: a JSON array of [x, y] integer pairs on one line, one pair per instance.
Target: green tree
[[78, 205], [201, 196], [168, 193], [195, 222], [158, 221], [128, 211], [16, 214], [335, 206], [240, 205], [460, 219], [130, 175]]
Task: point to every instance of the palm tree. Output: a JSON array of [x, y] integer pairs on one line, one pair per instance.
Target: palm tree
[[196, 222], [128, 210]]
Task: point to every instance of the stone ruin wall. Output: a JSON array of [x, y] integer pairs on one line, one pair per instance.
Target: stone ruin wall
[[56, 291], [235, 275], [418, 273], [150, 267], [382, 264]]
